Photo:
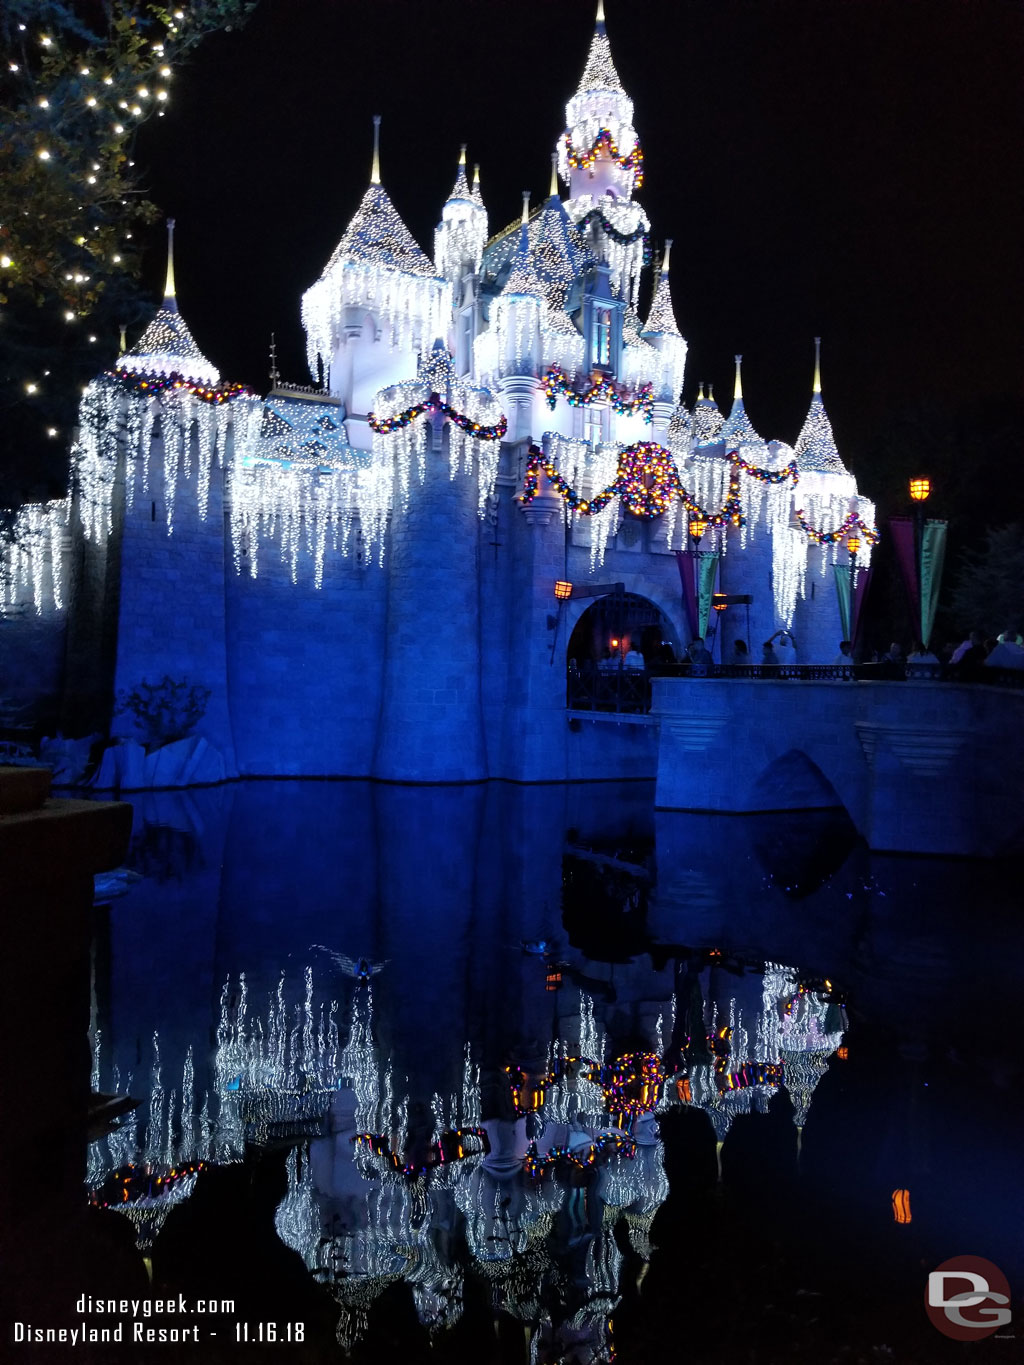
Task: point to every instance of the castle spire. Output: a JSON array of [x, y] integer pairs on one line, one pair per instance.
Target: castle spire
[[375, 166], [661, 317], [475, 194], [738, 430], [816, 451], [599, 72], [167, 346], [169, 279], [461, 190], [553, 188]]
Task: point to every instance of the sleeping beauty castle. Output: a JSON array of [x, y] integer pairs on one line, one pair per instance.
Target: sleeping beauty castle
[[362, 573]]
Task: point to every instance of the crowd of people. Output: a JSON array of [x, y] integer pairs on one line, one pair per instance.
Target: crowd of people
[[952, 660]]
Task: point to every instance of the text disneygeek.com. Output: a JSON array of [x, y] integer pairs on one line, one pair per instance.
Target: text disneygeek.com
[[128, 1321]]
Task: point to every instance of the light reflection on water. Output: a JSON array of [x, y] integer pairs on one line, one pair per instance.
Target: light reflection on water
[[474, 1017]]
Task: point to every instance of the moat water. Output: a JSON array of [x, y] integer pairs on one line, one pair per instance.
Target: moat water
[[539, 1074]]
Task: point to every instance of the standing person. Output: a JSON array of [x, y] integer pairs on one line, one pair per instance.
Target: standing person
[[697, 653], [769, 658], [740, 653], [845, 655]]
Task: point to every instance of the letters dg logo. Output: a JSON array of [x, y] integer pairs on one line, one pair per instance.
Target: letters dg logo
[[967, 1298]]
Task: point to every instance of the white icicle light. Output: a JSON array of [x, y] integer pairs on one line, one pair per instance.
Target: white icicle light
[[377, 265], [32, 561]]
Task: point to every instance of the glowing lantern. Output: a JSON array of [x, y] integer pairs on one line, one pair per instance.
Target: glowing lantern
[[697, 527], [901, 1206], [719, 601], [919, 489], [563, 591]]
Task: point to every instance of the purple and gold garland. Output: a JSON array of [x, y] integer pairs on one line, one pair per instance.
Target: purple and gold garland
[[647, 480], [153, 384], [850, 523], [601, 390], [384, 426], [583, 160]]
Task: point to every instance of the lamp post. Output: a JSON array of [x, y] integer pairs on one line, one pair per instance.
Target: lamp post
[[920, 489], [853, 546]]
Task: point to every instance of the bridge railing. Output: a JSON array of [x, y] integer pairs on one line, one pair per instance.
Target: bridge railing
[[623, 690]]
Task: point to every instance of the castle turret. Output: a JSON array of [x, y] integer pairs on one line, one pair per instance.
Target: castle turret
[[461, 235], [378, 296], [816, 451], [600, 159], [599, 152], [738, 431], [167, 346], [662, 332]]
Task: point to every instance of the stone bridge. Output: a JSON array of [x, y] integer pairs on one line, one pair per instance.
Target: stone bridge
[[920, 766]]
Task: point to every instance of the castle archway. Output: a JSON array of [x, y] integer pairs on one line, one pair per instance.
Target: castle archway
[[616, 623]]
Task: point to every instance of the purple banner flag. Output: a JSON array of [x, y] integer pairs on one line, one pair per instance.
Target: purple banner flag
[[902, 531], [685, 560]]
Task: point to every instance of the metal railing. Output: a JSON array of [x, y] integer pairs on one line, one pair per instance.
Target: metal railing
[[621, 690]]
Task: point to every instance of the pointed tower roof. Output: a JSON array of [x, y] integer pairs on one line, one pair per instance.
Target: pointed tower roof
[[167, 346], [600, 94], [661, 317], [376, 236], [461, 190], [474, 193], [556, 251], [816, 451], [707, 420], [738, 430], [599, 72], [523, 277]]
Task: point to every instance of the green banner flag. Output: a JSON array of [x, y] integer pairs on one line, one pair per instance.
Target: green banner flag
[[707, 571], [842, 577], [933, 554]]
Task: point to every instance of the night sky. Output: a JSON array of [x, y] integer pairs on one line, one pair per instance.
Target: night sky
[[848, 168]]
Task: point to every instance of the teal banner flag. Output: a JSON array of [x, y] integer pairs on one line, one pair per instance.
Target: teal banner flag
[[842, 577], [707, 571], [933, 554]]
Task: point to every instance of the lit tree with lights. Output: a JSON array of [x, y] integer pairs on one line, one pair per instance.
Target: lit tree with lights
[[78, 78]]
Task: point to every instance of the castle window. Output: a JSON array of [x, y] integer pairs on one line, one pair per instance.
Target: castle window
[[601, 340], [593, 423]]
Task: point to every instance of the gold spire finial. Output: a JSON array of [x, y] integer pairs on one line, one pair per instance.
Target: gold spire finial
[[124, 341], [476, 175], [737, 391], [169, 282], [700, 395], [668, 253], [600, 12], [526, 207], [554, 174], [375, 168], [462, 154], [817, 365]]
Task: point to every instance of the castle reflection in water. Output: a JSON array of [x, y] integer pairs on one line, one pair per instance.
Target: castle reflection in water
[[466, 1014]]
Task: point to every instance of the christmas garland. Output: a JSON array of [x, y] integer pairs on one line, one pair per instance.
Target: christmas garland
[[384, 426], [638, 463], [622, 238], [152, 384], [582, 160], [602, 389], [850, 523]]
